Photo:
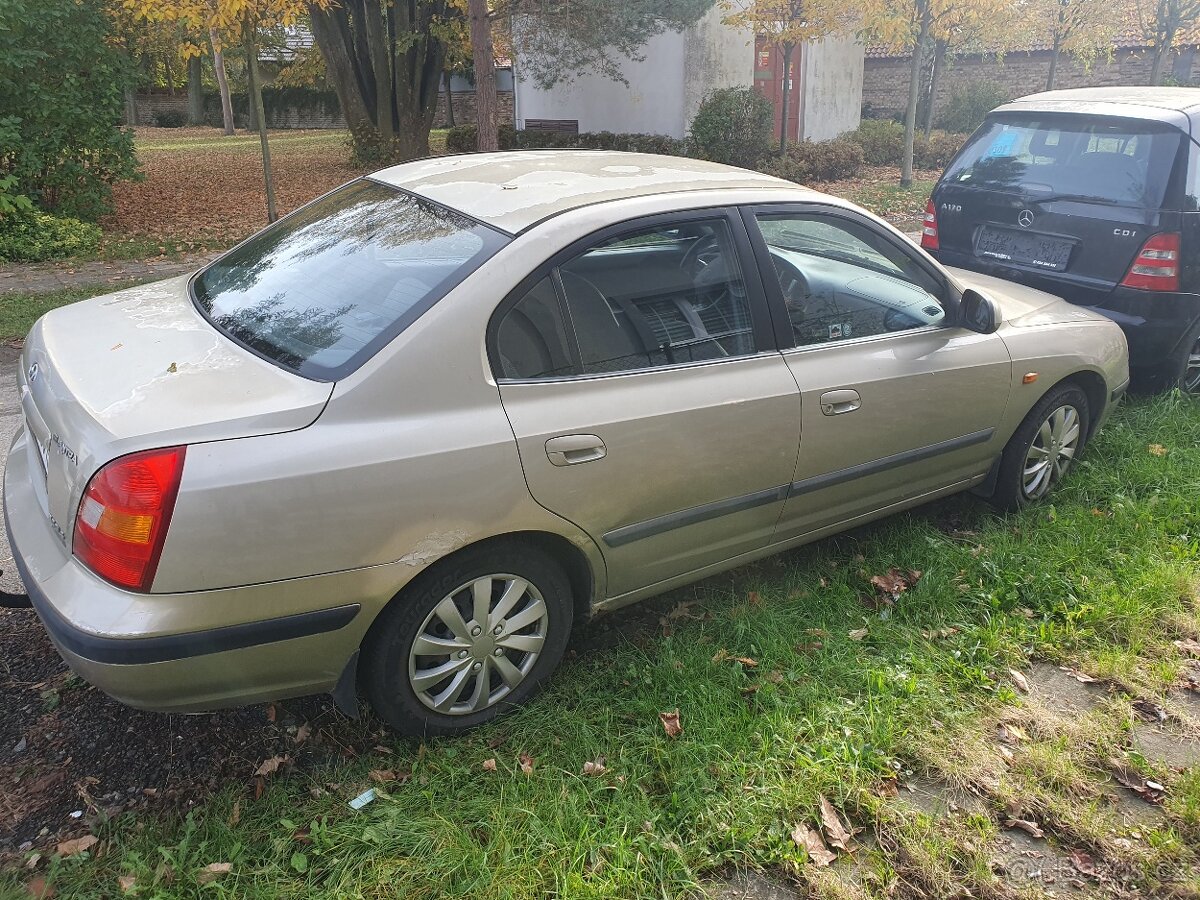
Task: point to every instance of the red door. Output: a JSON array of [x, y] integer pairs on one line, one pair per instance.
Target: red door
[[768, 81]]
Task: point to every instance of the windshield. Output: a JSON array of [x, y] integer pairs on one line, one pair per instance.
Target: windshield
[[322, 290], [1116, 161]]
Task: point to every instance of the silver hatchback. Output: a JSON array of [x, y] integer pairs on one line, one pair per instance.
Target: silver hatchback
[[400, 441]]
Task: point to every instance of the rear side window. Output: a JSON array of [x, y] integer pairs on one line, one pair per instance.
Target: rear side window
[[1118, 161], [320, 291]]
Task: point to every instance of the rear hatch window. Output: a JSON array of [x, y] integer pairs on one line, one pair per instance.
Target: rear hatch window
[[1116, 161], [320, 291]]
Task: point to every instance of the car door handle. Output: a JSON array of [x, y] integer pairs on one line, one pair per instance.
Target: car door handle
[[571, 449], [834, 403]]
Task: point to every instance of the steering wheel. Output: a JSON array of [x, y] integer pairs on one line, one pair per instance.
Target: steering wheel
[[703, 253], [895, 320]]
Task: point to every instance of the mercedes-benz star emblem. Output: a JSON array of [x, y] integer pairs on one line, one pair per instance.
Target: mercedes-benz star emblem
[[1025, 218], [32, 373]]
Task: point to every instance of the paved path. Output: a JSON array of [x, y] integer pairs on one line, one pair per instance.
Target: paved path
[[42, 278]]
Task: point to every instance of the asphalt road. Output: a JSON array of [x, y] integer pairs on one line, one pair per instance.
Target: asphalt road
[[10, 418]]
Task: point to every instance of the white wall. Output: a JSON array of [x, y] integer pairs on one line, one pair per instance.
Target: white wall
[[664, 90], [833, 80]]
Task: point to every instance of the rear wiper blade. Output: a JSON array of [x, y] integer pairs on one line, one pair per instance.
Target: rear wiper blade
[[1088, 198]]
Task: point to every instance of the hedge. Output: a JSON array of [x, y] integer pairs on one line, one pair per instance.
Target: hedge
[[28, 235]]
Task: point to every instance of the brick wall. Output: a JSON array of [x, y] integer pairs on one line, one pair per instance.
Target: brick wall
[[885, 81], [315, 116]]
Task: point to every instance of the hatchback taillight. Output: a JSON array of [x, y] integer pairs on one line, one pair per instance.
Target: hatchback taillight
[[929, 232], [123, 516], [1156, 267]]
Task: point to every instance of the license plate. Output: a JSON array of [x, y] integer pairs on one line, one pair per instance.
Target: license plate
[[1027, 249]]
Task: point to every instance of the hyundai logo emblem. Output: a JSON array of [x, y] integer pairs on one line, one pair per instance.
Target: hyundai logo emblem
[[32, 373], [1025, 218]]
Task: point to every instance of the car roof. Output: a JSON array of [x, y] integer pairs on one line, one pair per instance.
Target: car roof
[[1163, 104], [515, 190]]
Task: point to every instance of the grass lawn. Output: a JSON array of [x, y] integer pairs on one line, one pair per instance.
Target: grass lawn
[[793, 683]]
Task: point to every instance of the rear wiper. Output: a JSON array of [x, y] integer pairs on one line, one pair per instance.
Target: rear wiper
[[1088, 198]]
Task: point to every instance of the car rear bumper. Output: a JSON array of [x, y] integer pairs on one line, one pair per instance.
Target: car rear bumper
[[1156, 324], [136, 647]]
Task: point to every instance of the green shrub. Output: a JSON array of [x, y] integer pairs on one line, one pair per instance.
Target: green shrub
[[31, 236], [882, 141], [465, 139], [170, 118], [734, 126], [882, 144], [936, 151], [62, 83], [968, 104], [811, 161]]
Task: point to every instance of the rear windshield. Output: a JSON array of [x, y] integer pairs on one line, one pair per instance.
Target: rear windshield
[[1117, 161], [322, 290]]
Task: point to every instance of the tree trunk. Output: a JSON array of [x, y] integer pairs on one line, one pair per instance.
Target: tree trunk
[[939, 63], [787, 90], [449, 102], [485, 75], [375, 33], [1161, 54], [131, 107], [195, 91], [914, 87], [1052, 75], [222, 81], [170, 74], [256, 106]]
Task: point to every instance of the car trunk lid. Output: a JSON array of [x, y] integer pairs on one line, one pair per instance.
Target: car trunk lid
[[139, 369], [1068, 197]]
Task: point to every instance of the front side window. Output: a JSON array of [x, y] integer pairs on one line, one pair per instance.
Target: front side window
[[841, 280], [1116, 161], [321, 290]]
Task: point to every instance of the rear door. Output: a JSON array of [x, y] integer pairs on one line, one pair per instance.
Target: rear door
[[898, 402], [649, 405], [1067, 197]]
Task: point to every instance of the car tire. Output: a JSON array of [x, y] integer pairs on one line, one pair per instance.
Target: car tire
[[1180, 370], [487, 667], [1054, 432]]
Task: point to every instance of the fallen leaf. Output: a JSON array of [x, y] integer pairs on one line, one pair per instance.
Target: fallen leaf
[[382, 776], [78, 845], [1150, 711], [857, 634], [835, 831], [887, 788], [270, 766], [1019, 680], [235, 815], [1006, 755], [595, 766], [809, 840], [1189, 646], [1157, 450], [1010, 734], [1081, 677], [489, 765], [808, 647], [526, 763], [127, 883], [754, 599], [670, 723], [271, 712], [39, 889], [746, 661], [213, 871], [895, 582], [1150, 791], [302, 734], [1083, 862], [1030, 828]]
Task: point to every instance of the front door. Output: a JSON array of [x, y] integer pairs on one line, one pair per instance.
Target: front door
[[648, 406], [898, 402]]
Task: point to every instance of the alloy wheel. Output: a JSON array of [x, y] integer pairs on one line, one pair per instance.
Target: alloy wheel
[[1191, 376], [1050, 455], [478, 644]]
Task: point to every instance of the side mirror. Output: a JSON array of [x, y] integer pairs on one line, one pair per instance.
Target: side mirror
[[978, 312]]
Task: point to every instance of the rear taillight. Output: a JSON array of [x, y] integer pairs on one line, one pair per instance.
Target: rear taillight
[[124, 514], [929, 232], [1156, 267]]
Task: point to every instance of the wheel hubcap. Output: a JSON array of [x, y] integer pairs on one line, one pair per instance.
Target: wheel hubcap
[[1191, 378], [1051, 453], [479, 643]]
